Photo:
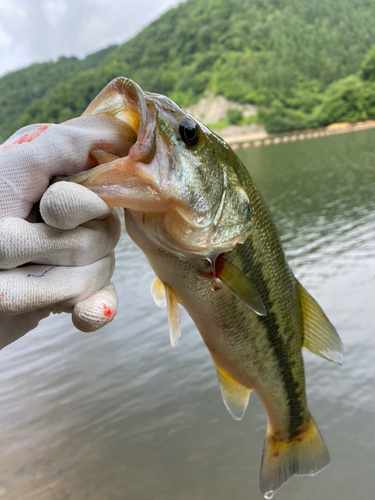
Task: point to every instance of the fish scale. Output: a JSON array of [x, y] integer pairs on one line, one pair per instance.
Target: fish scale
[[283, 340]]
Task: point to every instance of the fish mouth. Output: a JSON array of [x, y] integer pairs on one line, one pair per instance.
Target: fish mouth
[[130, 181]]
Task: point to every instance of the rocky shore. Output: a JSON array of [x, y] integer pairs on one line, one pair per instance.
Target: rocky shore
[[260, 138]]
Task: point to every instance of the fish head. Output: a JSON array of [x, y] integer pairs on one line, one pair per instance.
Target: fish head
[[181, 182]]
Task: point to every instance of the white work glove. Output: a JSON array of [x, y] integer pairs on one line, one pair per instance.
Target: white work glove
[[72, 256]]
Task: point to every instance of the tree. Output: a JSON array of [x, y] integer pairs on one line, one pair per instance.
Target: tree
[[368, 66]]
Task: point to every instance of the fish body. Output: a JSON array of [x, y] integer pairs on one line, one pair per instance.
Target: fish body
[[193, 209]]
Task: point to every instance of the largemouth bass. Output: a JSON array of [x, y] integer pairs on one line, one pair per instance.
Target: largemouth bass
[[193, 209]]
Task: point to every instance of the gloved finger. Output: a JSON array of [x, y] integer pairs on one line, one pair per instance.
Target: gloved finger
[[22, 242], [14, 327], [35, 287], [88, 316], [66, 205], [96, 311], [36, 153]]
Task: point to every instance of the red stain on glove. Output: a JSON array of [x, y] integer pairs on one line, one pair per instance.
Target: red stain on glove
[[107, 311], [40, 128]]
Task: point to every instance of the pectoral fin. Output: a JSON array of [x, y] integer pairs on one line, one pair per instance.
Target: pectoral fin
[[158, 292], [174, 316], [235, 395], [319, 335], [236, 281]]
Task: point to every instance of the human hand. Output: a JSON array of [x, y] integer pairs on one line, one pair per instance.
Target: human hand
[[72, 257]]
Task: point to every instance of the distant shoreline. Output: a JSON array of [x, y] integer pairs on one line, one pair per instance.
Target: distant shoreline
[[265, 139]]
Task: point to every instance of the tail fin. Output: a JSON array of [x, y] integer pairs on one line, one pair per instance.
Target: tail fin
[[304, 455]]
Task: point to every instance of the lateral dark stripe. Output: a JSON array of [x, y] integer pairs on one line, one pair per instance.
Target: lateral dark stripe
[[254, 271]]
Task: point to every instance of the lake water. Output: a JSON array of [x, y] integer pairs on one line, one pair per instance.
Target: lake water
[[120, 414]]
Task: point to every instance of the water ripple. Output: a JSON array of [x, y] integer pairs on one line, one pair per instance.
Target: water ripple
[[120, 414]]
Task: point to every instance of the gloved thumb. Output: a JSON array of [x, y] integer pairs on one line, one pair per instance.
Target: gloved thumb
[[36, 153]]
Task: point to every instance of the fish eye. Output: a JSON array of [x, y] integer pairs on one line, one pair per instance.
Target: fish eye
[[189, 132]]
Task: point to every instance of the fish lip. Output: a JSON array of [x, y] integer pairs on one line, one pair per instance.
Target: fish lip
[[123, 97]]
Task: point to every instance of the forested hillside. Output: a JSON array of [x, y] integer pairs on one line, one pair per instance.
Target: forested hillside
[[304, 63], [20, 88]]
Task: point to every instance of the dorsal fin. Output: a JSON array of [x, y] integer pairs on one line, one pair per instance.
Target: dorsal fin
[[319, 335], [174, 316], [235, 395], [240, 285], [158, 292]]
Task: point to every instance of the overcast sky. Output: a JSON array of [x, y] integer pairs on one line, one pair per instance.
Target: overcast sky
[[42, 30]]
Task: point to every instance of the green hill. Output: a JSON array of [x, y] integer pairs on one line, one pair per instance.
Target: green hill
[[303, 62], [19, 89]]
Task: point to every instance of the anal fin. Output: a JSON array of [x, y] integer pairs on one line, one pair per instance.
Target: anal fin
[[174, 316], [235, 395], [319, 335], [158, 292]]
